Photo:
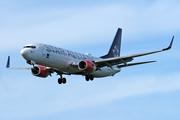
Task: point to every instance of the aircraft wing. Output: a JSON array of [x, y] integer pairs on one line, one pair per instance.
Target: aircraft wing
[[132, 64], [124, 59], [8, 66]]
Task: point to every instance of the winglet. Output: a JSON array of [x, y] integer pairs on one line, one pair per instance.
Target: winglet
[[170, 44], [8, 62]]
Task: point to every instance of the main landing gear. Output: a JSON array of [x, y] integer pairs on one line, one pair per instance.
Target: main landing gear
[[62, 80], [89, 77]]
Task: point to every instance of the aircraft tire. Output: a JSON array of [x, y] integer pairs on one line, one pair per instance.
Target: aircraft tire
[[64, 80], [87, 77], [60, 81], [91, 77]]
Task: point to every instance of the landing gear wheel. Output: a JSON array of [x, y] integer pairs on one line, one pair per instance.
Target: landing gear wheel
[[87, 77], [64, 80], [91, 77], [60, 81]]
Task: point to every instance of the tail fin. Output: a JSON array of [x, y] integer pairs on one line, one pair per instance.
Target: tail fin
[[115, 47]]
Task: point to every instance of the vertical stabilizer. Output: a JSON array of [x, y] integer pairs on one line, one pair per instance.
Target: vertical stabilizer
[[116, 46]]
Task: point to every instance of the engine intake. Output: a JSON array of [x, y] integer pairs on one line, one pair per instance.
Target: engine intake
[[86, 65], [39, 71]]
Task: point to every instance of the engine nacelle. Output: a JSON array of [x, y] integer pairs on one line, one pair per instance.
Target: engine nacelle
[[39, 71], [86, 65]]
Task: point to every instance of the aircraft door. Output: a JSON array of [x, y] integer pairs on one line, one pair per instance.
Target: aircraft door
[[46, 55]]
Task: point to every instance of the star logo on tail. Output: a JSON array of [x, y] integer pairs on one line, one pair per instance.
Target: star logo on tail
[[115, 51]]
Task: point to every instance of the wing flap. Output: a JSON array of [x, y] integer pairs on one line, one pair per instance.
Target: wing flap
[[112, 61], [132, 64]]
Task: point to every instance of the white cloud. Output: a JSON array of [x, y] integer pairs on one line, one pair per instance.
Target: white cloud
[[31, 97], [27, 97], [90, 24]]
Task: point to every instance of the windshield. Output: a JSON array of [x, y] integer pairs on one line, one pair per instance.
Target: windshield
[[30, 47]]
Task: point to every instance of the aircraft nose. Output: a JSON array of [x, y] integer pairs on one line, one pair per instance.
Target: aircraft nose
[[25, 53]]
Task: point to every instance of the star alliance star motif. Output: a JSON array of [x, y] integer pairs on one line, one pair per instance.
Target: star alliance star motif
[[115, 51]]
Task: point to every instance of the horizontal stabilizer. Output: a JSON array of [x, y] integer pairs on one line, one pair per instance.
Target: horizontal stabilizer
[[132, 64]]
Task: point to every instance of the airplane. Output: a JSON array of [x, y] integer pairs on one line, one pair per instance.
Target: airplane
[[47, 59]]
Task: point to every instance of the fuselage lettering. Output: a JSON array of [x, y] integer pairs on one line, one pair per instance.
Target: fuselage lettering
[[48, 49], [69, 53]]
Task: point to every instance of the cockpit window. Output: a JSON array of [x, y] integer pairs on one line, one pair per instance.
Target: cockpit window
[[33, 47], [30, 47]]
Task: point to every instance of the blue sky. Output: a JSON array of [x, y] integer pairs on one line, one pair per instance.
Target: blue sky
[[141, 92]]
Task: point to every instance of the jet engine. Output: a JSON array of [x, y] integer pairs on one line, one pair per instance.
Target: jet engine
[[39, 71], [86, 65]]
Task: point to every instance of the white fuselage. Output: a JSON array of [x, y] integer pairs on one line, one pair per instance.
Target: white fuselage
[[62, 59]]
